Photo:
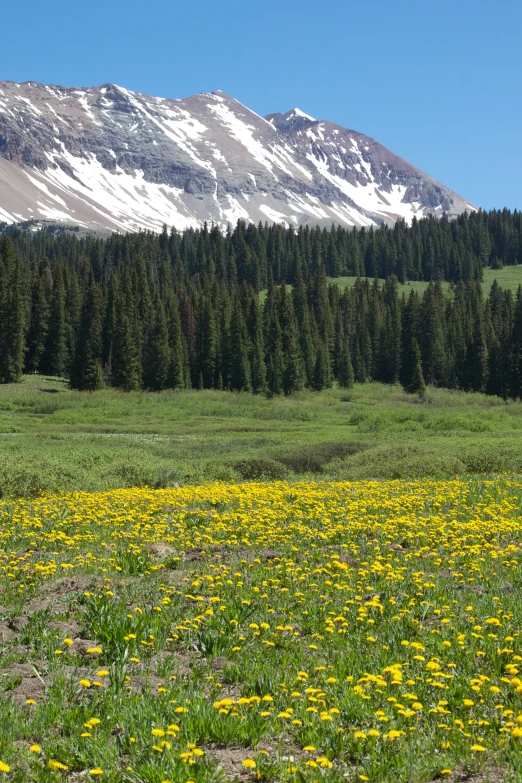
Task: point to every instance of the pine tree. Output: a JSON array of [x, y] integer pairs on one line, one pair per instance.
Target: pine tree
[[322, 378], [239, 372], [125, 356], [178, 350], [273, 341], [86, 369], [516, 348], [302, 315], [12, 314], [345, 373], [293, 366], [274, 356], [390, 339], [38, 326], [257, 347], [359, 370], [205, 343], [157, 355], [110, 324], [188, 326], [416, 384], [56, 359], [431, 334]]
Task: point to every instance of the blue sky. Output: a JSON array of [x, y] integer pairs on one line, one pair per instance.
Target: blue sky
[[438, 83]]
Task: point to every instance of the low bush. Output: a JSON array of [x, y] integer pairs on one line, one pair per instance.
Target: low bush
[[257, 468], [312, 458], [398, 462]]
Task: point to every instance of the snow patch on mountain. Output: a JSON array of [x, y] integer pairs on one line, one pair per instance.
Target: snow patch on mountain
[[109, 158]]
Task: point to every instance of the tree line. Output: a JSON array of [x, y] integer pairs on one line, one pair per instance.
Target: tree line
[[184, 311], [428, 249]]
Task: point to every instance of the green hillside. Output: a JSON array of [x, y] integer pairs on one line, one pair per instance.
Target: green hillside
[[509, 277]]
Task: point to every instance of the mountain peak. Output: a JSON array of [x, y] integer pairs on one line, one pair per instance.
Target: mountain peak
[[294, 119], [108, 158], [298, 113]]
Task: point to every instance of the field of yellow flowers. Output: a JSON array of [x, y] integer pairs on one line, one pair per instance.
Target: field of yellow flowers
[[282, 632]]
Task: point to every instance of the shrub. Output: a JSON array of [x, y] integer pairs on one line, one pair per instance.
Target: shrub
[[312, 458], [167, 477], [258, 468]]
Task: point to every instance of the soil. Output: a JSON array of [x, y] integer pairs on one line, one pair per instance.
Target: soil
[[161, 551]]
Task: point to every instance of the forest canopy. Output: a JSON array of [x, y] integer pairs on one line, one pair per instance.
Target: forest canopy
[[182, 310]]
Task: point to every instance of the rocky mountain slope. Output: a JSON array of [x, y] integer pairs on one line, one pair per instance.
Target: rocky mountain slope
[[107, 158]]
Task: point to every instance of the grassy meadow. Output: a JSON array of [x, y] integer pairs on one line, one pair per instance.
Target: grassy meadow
[[510, 277], [200, 587], [53, 439]]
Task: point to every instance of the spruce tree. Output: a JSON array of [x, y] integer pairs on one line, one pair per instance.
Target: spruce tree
[[359, 370], [303, 319], [86, 370], [273, 339], [109, 324], [431, 334], [12, 314], [157, 355], [322, 378], [56, 359], [345, 373], [390, 340], [516, 348], [125, 362], [178, 350], [416, 384], [38, 326], [409, 326], [293, 366], [239, 371], [205, 343], [257, 347]]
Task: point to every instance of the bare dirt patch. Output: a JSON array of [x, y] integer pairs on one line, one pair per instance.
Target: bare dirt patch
[[161, 550], [230, 762], [29, 683], [146, 681], [65, 627], [50, 591], [6, 633]]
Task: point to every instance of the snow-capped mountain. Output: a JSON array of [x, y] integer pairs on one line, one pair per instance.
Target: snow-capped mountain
[[110, 159]]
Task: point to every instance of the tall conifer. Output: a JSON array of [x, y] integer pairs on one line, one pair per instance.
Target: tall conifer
[[12, 314], [86, 370]]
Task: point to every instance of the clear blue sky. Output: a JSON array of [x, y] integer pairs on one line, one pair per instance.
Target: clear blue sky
[[437, 82]]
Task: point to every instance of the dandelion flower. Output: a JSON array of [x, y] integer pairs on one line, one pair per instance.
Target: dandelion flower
[[57, 765]]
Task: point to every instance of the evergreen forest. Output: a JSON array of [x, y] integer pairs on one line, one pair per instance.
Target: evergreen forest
[[183, 310]]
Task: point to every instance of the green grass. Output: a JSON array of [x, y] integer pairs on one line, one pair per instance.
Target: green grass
[[411, 285], [53, 439], [509, 277]]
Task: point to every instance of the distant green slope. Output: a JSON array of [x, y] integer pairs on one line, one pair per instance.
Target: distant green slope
[[509, 277], [53, 439]]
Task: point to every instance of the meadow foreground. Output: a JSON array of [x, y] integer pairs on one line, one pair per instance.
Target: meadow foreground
[[287, 632]]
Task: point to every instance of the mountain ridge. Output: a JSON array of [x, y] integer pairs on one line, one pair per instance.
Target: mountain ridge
[[109, 158]]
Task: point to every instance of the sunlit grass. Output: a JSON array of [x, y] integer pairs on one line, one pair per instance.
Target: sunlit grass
[[53, 439]]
